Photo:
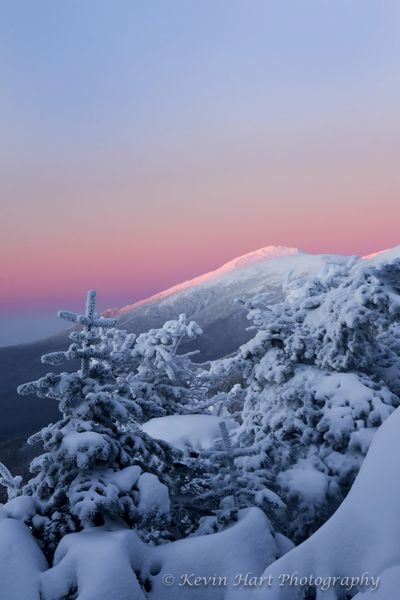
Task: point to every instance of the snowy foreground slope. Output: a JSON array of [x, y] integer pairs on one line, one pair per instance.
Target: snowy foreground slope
[[359, 546], [361, 538], [105, 563]]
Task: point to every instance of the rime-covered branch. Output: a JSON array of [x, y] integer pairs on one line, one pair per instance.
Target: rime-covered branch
[[13, 484]]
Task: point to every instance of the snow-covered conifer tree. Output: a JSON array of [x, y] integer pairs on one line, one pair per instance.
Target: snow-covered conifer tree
[[320, 373], [223, 488], [159, 379], [93, 469]]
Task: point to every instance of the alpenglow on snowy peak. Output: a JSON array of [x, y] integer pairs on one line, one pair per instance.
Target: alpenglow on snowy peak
[[212, 298], [246, 260], [279, 260]]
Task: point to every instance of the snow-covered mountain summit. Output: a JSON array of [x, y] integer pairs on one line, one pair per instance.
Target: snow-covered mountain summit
[[211, 299], [383, 256], [231, 268]]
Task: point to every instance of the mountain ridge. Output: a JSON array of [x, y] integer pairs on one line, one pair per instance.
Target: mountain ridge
[[267, 252]]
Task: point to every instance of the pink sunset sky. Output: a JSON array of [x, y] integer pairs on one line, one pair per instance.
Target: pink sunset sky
[[146, 143]]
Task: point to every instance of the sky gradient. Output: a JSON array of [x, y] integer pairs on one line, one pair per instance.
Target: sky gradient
[[143, 143]]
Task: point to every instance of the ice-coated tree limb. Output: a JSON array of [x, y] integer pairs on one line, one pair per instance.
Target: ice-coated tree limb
[[90, 304], [230, 460], [203, 406], [8, 481], [35, 438], [89, 314], [27, 388], [68, 315], [55, 358]]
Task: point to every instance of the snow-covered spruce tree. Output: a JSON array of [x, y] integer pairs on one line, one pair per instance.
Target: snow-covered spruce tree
[[320, 374], [93, 469], [163, 376], [225, 383], [158, 379], [222, 489]]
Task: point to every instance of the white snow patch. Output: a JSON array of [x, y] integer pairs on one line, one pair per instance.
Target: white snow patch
[[126, 478], [80, 446], [183, 431], [306, 482], [153, 495]]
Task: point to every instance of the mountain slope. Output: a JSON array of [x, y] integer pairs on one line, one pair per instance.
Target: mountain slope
[[211, 299]]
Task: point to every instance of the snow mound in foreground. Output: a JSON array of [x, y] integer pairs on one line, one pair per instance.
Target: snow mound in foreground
[[99, 564], [105, 564], [362, 537], [245, 547], [21, 562]]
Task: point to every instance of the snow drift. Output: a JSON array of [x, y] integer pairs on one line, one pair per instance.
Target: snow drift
[[102, 563]]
